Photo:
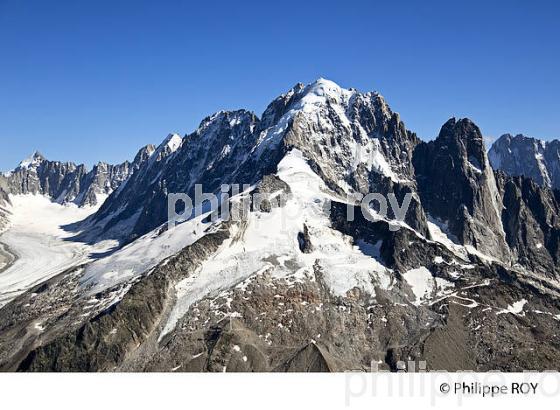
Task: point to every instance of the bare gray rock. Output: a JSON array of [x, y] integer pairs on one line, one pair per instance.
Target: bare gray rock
[[530, 157]]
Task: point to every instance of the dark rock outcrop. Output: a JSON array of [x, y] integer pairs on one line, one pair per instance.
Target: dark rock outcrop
[[457, 186], [531, 220]]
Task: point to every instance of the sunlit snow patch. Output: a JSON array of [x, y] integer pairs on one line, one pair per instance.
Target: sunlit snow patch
[[515, 308], [424, 286], [142, 255]]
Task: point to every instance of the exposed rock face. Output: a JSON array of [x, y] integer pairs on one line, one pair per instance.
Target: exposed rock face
[[270, 193], [469, 281], [532, 224], [36, 175], [271, 324], [4, 213], [102, 180], [529, 157], [458, 187], [65, 182], [4, 198], [352, 140], [210, 156]]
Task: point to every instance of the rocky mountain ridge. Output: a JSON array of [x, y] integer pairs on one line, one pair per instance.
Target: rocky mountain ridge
[[371, 151], [468, 281], [66, 182], [530, 157]]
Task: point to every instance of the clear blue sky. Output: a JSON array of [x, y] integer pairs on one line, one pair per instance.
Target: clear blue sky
[[95, 80]]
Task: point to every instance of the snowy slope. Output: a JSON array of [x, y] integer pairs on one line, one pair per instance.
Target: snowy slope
[[35, 236], [142, 255], [268, 243]]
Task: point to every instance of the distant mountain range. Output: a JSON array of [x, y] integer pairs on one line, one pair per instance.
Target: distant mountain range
[[66, 182], [468, 281], [530, 157]]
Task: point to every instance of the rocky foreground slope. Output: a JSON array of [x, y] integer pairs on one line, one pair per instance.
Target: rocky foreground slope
[[306, 281]]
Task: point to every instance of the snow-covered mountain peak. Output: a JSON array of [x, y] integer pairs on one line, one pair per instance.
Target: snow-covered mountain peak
[[35, 159], [66, 182], [531, 157], [169, 146], [518, 140], [322, 90], [172, 142], [221, 118], [352, 139]]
